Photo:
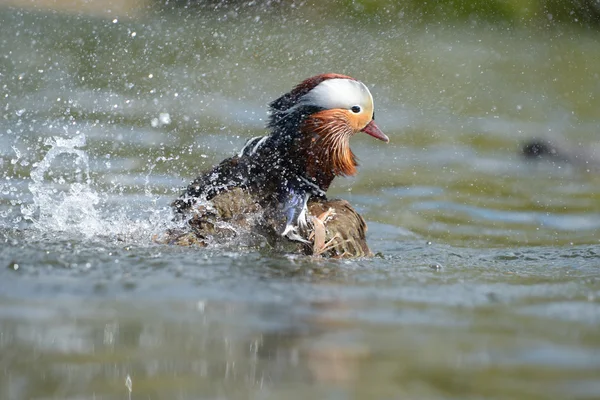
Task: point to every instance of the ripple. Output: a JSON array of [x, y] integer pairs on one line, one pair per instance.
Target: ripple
[[566, 222]]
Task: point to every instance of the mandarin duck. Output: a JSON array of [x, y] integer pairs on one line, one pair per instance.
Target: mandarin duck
[[276, 185]]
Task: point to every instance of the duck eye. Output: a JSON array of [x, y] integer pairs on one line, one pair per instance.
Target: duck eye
[[355, 109]]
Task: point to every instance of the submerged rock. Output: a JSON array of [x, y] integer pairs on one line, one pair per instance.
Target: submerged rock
[[562, 152]]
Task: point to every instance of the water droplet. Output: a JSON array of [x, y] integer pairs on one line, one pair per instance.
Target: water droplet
[[129, 383], [164, 118], [436, 266]]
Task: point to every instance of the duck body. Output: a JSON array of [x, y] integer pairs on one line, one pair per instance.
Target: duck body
[[285, 174]]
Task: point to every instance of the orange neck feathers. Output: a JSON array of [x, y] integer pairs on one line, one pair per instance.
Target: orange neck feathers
[[325, 147]]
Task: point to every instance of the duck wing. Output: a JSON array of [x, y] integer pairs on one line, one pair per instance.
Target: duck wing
[[345, 229]]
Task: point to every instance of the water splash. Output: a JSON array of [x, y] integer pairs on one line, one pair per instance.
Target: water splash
[[64, 198], [129, 385], [65, 201]]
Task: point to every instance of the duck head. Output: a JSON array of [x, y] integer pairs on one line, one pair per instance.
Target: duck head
[[316, 120]]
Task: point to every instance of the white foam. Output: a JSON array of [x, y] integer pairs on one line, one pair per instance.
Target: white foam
[[64, 199]]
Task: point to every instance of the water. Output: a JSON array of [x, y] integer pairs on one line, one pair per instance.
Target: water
[[486, 283]]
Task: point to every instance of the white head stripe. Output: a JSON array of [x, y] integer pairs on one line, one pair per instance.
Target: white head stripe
[[339, 93]]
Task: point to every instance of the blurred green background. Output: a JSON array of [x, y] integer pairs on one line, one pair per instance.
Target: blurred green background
[[543, 12]]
